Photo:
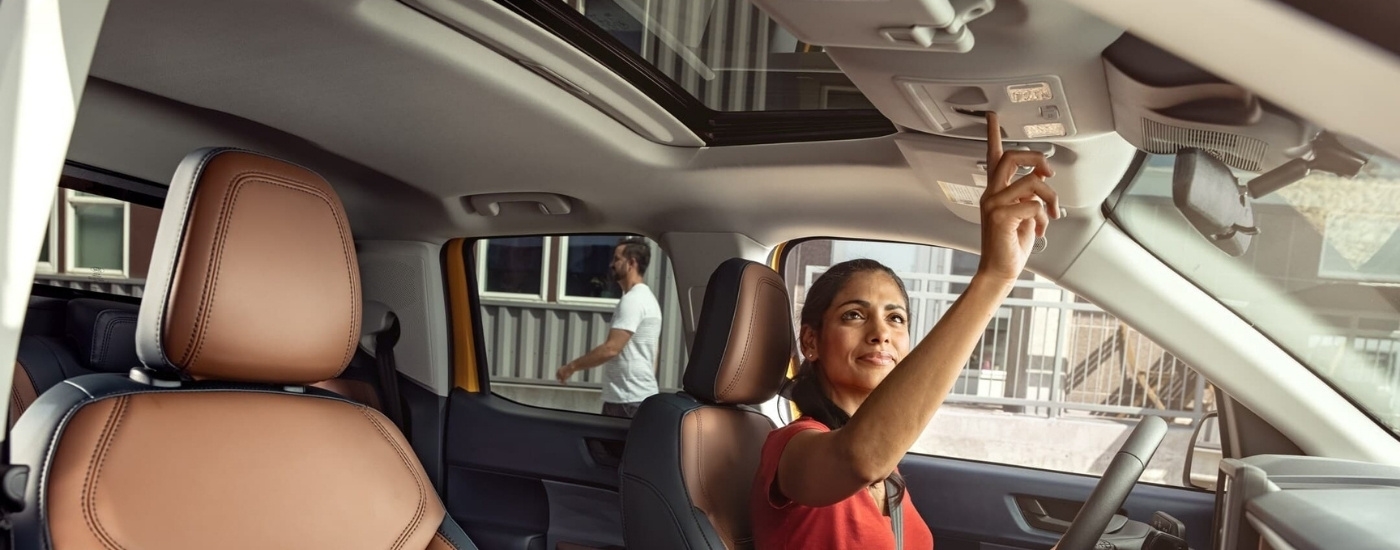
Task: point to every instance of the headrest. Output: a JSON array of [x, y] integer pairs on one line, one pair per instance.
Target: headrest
[[103, 334], [253, 277], [743, 341]]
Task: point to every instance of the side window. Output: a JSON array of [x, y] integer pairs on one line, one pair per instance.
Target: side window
[[96, 243], [1055, 383], [547, 301]]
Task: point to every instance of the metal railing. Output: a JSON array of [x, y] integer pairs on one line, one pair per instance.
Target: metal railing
[[1049, 353], [94, 283]]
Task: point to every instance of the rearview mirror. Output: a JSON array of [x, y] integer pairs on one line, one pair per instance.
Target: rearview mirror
[[1211, 198], [1202, 467]]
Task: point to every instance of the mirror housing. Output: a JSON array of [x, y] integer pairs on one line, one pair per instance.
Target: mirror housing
[[1212, 199], [1208, 432]]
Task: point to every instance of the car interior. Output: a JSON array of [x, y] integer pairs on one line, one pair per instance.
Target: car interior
[[307, 268]]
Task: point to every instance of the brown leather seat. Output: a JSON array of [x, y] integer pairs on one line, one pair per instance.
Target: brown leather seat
[[218, 442], [690, 458]]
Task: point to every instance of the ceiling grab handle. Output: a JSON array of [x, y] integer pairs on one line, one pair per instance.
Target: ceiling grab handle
[[550, 204]]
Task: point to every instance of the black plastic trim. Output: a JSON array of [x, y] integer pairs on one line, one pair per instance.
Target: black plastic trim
[[716, 128], [1114, 197], [98, 181]]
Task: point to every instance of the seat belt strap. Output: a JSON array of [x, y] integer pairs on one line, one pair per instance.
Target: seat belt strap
[[896, 515], [388, 371]]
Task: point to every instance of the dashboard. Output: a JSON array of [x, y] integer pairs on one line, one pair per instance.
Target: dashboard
[[1278, 502]]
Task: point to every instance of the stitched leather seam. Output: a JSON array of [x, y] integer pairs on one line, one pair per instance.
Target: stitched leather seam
[[422, 497], [15, 399], [164, 292], [107, 338], [700, 457], [748, 341], [94, 474], [675, 519], [204, 318], [445, 540]]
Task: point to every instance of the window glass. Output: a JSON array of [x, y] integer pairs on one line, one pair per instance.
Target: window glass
[[514, 266], [528, 340], [1054, 383], [726, 53], [98, 233], [588, 269], [96, 243], [1319, 278]]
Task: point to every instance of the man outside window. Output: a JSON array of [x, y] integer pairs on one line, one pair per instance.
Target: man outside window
[[629, 354]]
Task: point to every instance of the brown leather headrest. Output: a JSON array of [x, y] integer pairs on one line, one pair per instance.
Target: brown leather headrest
[[744, 338], [253, 277]]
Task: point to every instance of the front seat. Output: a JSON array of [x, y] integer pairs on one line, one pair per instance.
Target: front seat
[[690, 458], [218, 442]]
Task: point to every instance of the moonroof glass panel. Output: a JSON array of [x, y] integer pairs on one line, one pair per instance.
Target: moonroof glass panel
[[726, 53]]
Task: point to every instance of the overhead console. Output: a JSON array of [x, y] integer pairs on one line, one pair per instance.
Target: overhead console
[[1162, 104], [933, 65]]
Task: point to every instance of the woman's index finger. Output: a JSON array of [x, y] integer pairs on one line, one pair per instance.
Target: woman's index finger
[[993, 141]]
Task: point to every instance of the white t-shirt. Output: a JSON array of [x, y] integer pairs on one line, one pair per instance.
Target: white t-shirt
[[631, 376]]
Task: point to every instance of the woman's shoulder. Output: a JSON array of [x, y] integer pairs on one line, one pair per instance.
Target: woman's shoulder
[[795, 427]]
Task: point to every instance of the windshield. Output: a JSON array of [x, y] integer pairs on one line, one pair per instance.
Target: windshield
[[1321, 278]]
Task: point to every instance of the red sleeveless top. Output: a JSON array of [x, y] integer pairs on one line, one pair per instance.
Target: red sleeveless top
[[852, 523]]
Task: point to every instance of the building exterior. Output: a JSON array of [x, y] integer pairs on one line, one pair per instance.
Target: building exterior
[[97, 243]]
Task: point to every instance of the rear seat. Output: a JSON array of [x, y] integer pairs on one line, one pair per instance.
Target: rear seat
[[62, 339], [97, 336]]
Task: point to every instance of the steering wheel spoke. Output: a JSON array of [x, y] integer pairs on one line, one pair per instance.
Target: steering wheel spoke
[[1113, 488]]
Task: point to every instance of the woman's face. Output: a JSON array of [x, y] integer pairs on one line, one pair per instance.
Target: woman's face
[[864, 334]]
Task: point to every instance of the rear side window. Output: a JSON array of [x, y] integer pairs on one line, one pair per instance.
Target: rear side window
[[96, 243], [546, 301], [1055, 383]]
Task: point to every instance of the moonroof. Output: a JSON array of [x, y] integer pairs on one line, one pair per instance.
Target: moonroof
[[725, 53]]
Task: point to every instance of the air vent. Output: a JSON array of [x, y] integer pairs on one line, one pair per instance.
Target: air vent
[[1236, 151]]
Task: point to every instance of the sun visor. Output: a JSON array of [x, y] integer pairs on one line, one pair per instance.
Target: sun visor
[[922, 25]]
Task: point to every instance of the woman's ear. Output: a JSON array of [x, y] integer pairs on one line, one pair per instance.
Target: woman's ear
[[807, 340]]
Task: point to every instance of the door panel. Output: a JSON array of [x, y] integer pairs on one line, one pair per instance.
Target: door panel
[[973, 505], [531, 478]]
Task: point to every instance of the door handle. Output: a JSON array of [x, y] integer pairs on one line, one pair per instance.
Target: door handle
[[1055, 515], [605, 452]]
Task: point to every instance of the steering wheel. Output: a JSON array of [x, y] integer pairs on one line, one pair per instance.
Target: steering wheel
[[1122, 474]]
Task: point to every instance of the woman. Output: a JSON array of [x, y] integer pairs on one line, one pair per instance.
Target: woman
[[828, 480]]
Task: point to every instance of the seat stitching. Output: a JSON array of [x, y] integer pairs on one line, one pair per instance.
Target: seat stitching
[[164, 292], [744, 359], [231, 201], [422, 497], [211, 271], [445, 540], [107, 337], [94, 473], [661, 497], [15, 399]]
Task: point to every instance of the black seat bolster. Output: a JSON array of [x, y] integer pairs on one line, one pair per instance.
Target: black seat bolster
[[656, 507], [102, 334], [48, 360], [453, 535], [44, 317]]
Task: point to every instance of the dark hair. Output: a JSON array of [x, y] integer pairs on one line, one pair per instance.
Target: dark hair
[[637, 250], [808, 390]]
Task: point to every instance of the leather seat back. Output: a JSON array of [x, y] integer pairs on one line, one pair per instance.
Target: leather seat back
[[253, 294], [690, 458]]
